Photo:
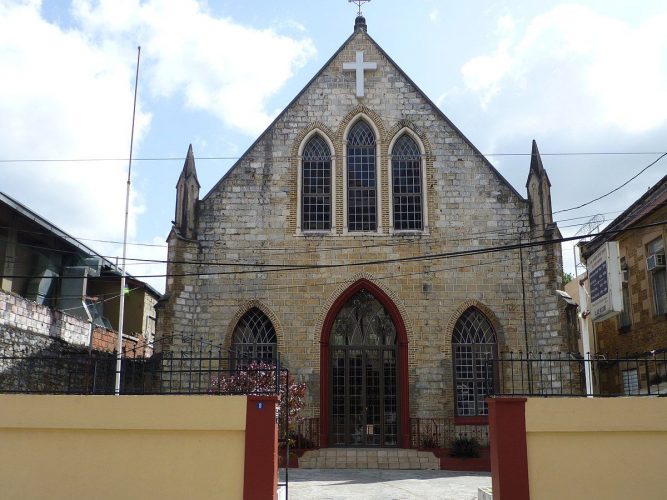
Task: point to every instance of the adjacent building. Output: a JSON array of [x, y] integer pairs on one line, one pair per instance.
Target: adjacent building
[[55, 287], [640, 330]]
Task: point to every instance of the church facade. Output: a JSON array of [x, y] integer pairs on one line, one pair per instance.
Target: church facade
[[381, 253]]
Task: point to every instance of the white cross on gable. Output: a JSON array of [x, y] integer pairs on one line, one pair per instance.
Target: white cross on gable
[[360, 67]]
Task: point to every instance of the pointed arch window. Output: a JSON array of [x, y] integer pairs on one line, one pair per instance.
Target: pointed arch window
[[254, 339], [316, 185], [474, 344], [406, 172], [361, 178]]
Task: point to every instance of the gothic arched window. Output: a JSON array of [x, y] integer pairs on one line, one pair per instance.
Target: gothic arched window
[[406, 177], [474, 345], [316, 185], [361, 179], [254, 338]]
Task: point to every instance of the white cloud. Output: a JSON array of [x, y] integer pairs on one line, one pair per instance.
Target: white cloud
[[67, 93], [434, 15], [218, 66], [610, 73], [65, 97]]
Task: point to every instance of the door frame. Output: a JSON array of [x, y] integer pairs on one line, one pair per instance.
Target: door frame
[[401, 340]]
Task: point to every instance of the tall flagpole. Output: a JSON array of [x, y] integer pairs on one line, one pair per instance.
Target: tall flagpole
[[121, 309]]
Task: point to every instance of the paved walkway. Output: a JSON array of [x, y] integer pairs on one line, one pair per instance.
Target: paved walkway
[[339, 484]]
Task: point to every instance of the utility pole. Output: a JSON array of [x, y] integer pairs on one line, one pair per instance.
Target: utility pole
[[121, 309]]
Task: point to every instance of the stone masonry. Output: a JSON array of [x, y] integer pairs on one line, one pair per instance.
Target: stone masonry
[[252, 216]]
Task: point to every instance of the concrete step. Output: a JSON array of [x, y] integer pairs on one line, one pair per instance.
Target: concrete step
[[369, 458]]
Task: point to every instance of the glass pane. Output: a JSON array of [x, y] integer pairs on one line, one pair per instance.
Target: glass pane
[[406, 184], [363, 320], [254, 338], [364, 392], [473, 345], [316, 185], [361, 182]]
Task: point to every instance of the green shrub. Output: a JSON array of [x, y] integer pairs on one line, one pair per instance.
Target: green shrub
[[464, 447], [429, 443]]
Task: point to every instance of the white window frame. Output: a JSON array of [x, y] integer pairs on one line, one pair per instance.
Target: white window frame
[[299, 184], [657, 301], [390, 174], [378, 176]]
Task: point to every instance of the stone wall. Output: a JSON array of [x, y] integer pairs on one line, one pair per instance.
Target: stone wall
[[252, 216], [42, 348], [26, 327], [646, 331]]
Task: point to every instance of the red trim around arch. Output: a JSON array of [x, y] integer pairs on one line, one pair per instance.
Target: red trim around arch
[[402, 339]]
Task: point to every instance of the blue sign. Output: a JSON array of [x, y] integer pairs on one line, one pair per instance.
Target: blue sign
[[599, 283], [260, 405]]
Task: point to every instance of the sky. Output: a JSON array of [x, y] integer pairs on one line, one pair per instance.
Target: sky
[[579, 77]]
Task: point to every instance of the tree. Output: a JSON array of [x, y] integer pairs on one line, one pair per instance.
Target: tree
[[567, 277], [260, 378]]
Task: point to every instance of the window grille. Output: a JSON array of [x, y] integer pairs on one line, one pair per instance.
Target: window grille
[[625, 319], [407, 184], [316, 185], [473, 345], [361, 179], [658, 277], [254, 339], [630, 382]]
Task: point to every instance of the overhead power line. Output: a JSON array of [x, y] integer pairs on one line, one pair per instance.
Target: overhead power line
[[497, 231], [615, 189], [272, 268], [503, 233]]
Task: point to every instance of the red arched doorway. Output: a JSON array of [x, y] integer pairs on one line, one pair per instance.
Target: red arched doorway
[[363, 355]]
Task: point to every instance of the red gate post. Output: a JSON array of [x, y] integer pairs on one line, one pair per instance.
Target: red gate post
[[260, 471], [509, 454]]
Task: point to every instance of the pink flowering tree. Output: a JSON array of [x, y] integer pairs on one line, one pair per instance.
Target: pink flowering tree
[[260, 378]]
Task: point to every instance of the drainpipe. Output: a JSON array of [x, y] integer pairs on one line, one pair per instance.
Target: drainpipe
[[583, 315]]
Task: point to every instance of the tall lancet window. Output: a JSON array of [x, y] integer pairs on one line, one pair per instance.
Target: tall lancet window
[[361, 179], [254, 339], [406, 177], [474, 345], [316, 185]]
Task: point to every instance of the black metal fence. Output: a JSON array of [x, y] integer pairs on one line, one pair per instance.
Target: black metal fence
[[560, 374], [162, 373], [429, 433]]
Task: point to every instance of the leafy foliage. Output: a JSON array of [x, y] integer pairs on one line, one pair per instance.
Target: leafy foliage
[[567, 277], [260, 378], [429, 443], [464, 447]]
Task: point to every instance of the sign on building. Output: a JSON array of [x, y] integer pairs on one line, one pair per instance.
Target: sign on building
[[604, 274]]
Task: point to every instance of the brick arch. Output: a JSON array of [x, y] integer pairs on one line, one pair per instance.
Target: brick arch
[[320, 127], [295, 168], [402, 340], [399, 126], [364, 276], [280, 338], [364, 111], [406, 127], [481, 307]]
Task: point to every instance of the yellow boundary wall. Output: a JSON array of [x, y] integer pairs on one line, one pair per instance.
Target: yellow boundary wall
[[106, 447], [584, 448]]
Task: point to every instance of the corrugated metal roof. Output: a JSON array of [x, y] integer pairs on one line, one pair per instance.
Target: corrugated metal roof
[[54, 230]]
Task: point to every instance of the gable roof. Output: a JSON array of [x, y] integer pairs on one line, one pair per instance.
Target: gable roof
[[649, 202], [438, 111]]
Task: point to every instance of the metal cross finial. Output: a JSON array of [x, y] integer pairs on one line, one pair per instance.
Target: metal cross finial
[[359, 4]]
